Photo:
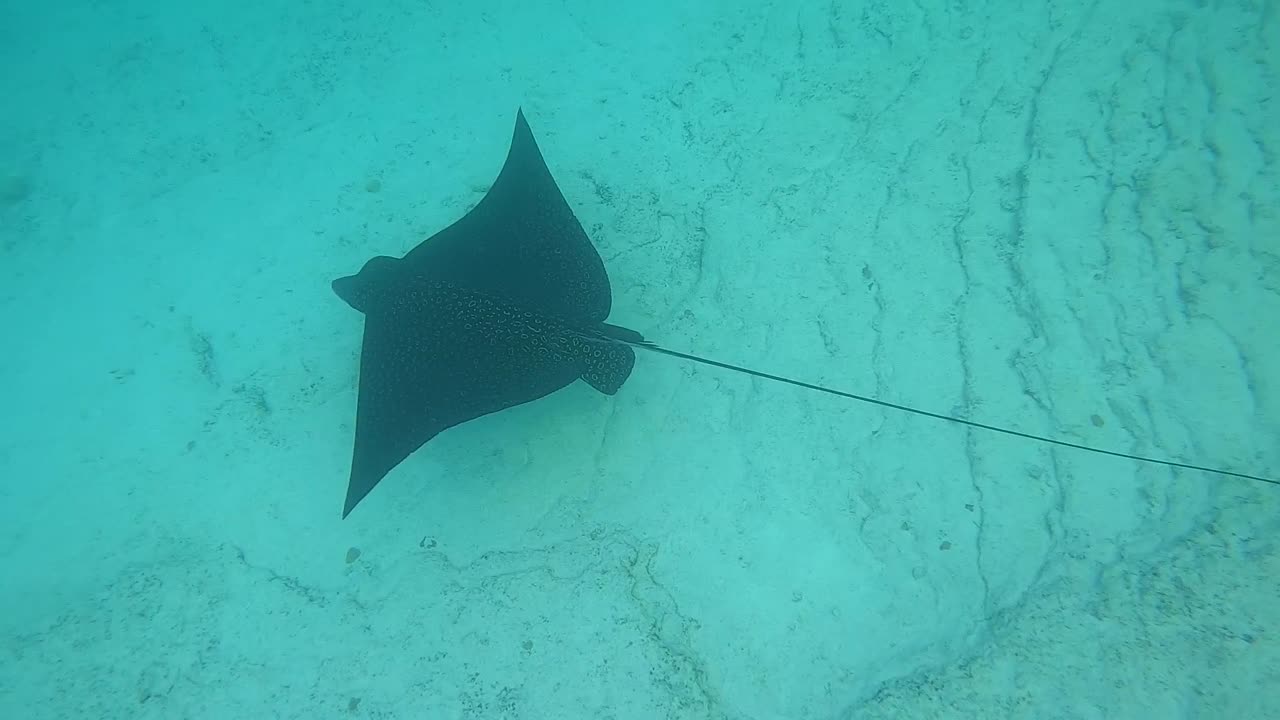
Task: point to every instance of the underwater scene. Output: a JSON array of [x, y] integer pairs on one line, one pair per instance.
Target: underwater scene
[[837, 360]]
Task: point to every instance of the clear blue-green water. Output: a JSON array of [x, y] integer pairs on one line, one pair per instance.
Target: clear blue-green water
[[1057, 219]]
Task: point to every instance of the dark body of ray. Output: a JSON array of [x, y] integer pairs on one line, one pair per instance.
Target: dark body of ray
[[505, 306]]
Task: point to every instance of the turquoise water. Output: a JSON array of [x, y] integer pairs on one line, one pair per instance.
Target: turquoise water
[[1064, 223]]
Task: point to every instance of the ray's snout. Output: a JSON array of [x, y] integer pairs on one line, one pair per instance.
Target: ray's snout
[[359, 290]]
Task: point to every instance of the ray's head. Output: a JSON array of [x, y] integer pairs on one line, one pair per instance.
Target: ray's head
[[362, 290]]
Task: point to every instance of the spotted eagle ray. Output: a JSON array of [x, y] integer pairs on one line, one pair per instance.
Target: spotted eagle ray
[[505, 306]]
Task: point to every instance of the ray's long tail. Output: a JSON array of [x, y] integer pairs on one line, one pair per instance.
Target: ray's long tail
[[634, 339]]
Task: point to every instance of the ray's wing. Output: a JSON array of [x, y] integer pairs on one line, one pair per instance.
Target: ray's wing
[[434, 358], [521, 242]]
